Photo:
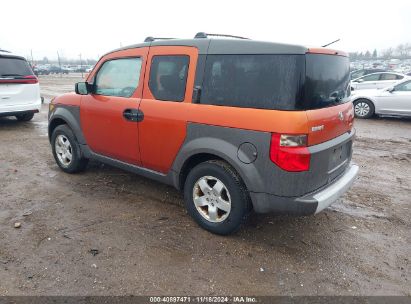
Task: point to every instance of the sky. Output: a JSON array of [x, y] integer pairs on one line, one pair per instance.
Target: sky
[[92, 28]]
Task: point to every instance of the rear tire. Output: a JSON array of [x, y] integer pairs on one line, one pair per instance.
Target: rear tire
[[25, 117], [363, 108], [216, 197], [66, 150]]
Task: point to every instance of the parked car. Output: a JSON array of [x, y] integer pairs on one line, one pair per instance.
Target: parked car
[[376, 80], [359, 73], [394, 100], [198, 114], [81, 69], [38, 70], [58, 70], [19, 88]]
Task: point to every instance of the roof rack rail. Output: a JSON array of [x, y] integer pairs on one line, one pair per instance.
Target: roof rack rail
[[206, 35], [151, 39], [5, 51]]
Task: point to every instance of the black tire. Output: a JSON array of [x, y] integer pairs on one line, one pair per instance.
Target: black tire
[[78, 162], [361, 103], [25, 117], [240, 200]]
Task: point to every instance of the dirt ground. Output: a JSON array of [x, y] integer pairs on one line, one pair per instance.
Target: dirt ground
[[108, 232]]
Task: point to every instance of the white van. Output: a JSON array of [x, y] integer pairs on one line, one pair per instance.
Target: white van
[[19, 88]]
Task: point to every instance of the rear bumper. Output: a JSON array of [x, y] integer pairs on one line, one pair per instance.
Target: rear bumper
[[308, 204], [6, 114], [11, 110]]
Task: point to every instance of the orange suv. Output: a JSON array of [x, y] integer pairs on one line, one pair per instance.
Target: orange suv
[[235, 124]]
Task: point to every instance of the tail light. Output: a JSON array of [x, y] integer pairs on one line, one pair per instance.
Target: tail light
[[29, 79], [290, 152]]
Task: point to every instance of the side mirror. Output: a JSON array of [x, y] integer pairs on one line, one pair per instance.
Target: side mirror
[[390, 89], [82, 88], [360, 80]]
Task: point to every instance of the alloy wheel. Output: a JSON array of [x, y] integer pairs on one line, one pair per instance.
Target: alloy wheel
[[64, 150], [212, 199]]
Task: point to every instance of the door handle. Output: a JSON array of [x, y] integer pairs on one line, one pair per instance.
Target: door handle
[[134, 115]]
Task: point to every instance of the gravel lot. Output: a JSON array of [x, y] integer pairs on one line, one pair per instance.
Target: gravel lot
[[108, 232]]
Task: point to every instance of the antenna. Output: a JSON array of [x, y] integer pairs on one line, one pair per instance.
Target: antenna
[[325, 45]]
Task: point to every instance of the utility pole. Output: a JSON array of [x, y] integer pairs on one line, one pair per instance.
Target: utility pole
[[81, 66], [32, 60], [58, 57]]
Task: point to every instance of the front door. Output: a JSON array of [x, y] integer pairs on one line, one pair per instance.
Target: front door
[[398, 101], [110, 115]]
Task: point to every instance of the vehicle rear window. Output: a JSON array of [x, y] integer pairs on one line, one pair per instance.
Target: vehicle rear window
[[327, 81], [10, 67], [253, 81]]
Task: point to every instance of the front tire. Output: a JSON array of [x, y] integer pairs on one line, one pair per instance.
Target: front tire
[[25, 117], [363, 108], [216, 197], [66, 150]]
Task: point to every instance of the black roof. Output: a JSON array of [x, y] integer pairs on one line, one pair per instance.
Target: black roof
[[226, 46]]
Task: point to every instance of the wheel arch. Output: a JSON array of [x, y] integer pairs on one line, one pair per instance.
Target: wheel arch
[[53, 124], [69, 116], [192, 161], [189, 158]]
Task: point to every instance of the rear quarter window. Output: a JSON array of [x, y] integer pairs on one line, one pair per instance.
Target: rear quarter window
[[253, 81], [389, 77], [13, 66]]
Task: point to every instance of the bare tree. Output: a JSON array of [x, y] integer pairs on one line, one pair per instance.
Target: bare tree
[[387, 53]]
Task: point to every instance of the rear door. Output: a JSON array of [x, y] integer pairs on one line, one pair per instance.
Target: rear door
[[109, 116], [168, 89]]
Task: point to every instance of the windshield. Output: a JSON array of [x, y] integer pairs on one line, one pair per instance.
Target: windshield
[[327, 81], [14, 67]]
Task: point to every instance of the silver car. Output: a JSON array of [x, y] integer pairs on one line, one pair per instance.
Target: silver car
[[376, 81], [393, 100]]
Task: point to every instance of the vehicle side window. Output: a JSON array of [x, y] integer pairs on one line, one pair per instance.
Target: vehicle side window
[[372, 77], [118, 77], [405, 86], [168, 77], [399, 77], [253, 81], [358, 74], [388, 77]]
